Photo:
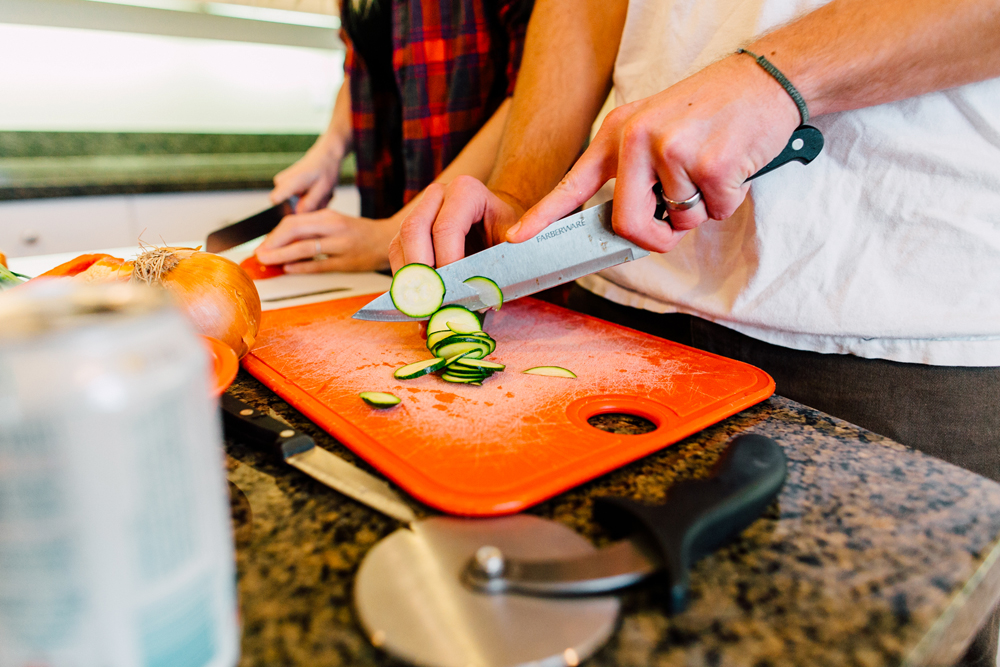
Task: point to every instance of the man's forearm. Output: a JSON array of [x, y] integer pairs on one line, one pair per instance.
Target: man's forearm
[[565, 77], [851, 54]]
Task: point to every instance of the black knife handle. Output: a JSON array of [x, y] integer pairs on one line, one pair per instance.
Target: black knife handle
[[701, 515], [249, 425], [803, 146]]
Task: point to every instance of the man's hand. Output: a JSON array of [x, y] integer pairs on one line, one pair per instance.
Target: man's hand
[[435, 231], [709, 132], [349, 243]]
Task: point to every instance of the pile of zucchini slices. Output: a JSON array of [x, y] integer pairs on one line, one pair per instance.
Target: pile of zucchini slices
[[456, 338], [455, 334]]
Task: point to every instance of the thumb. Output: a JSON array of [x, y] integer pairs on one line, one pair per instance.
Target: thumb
[[580, 184]]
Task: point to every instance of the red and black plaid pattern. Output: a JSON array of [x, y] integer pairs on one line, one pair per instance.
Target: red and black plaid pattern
[[455, 61]]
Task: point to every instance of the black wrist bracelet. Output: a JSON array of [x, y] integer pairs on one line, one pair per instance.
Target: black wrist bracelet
[[785, 83]]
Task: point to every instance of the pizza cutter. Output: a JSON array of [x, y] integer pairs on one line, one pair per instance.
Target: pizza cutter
[[522, 590]]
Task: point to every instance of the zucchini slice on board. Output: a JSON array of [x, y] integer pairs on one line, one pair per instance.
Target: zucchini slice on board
[[417, 290], [480, 364], [460, 316], [378, 399], [419, 368], [448, 377], [466, 331], [551, 371], [489, 292], [474, 348], [485, 341], [438, 336]]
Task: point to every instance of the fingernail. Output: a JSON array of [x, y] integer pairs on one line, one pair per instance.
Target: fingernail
[[513, 230]]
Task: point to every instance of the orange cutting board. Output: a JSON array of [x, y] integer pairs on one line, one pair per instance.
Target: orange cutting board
[[516, 440]]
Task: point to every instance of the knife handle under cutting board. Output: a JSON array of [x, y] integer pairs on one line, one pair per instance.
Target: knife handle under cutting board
[[260, 430], [700, 515], [803, 146]]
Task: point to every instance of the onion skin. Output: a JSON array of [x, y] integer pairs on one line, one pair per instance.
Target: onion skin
[[217, 295]]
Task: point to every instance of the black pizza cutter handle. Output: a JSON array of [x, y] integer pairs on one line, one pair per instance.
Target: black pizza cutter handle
[[668, 539], [699, 516]]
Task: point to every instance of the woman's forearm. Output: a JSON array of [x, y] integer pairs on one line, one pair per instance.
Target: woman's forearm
[[340, 132]]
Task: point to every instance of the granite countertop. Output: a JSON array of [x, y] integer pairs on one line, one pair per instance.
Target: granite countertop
[[873, 554], [67, 164]]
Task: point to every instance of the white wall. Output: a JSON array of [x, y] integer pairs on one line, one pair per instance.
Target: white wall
[[89, 80]]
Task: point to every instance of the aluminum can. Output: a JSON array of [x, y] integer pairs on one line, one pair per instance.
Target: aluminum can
[[116, 544]]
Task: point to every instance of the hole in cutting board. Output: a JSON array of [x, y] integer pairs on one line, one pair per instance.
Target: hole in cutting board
[[616, 414], [622, 423]]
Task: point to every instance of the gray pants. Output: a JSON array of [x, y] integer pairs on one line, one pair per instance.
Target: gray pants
[[952, 413]]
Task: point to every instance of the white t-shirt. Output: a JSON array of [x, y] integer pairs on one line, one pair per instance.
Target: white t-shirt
[[886, 246]]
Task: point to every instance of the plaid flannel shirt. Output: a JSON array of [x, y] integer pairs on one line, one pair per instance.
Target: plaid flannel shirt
[[454, 61]]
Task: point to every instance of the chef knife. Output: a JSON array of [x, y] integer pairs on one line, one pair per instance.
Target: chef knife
[[576, 246], [253, 427], [250, 228]]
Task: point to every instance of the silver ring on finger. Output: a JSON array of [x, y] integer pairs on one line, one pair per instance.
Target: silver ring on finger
[[684, 204], [319, 254], [664, 204]]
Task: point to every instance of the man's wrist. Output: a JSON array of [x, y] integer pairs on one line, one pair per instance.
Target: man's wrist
[[768, 87], [782, 80]]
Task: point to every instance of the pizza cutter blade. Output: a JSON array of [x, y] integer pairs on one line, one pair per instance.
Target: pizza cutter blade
[[412, 603]]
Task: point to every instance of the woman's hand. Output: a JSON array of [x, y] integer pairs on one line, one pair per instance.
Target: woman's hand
[[313, 177], [326, 240]]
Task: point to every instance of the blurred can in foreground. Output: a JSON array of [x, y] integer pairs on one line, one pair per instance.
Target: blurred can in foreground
[[116, 545]]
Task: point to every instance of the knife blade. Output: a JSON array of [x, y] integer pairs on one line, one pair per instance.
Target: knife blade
[[574, 247], [249, 425], [250, 228], [570, 248]]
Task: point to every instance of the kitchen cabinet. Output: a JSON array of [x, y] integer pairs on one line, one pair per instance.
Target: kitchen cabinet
[[79, 224]]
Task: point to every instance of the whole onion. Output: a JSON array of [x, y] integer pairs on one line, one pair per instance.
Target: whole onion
[[218, 296]]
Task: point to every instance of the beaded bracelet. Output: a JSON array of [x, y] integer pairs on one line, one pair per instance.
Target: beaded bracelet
[[785, 83]]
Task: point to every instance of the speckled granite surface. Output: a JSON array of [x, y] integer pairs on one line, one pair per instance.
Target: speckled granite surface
[[861, 562]]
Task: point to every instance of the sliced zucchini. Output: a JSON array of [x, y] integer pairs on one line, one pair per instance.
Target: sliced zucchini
[[551, 371], [419, 368], [489, 292], [438, 336], [462, 371], [448, 377], [462, 338], [379, 399], [480, 364], [417, 290], [451, 361], [476, 349], [459, 329], [458, 315]]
